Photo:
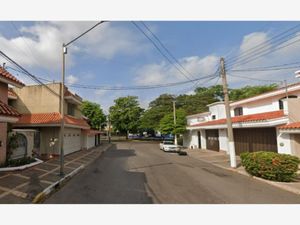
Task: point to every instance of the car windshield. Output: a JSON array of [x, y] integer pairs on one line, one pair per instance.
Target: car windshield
[[168, 142]]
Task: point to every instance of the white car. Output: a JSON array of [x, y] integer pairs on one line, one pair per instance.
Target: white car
[[169, 146]]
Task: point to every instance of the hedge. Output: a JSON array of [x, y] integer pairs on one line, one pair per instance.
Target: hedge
[[271, 165], [18, 162]]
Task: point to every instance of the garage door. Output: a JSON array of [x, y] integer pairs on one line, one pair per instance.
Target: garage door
[[72, 141], [212, 140], [255, 139]]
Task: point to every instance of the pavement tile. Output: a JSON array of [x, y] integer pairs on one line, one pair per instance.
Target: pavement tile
[[53, 177], [31, 172], [12, 181], [74, 164], [1, 192], [12, 199], [46, 166]]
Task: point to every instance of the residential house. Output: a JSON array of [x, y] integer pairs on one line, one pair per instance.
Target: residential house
[[40, 109], [266, 122], [8, 114]]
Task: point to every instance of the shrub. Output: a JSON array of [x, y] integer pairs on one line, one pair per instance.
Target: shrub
[[271, 165], [18, 162]]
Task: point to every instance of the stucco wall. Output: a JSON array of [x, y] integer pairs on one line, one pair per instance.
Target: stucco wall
[[90, 141], [223, 140], [37, 99], [30, 140], [218, 110]]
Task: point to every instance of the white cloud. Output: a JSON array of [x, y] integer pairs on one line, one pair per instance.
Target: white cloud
[[45, 42], [71, 79], [166, 73]]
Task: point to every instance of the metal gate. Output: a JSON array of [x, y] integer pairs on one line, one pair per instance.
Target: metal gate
[[21, 150], [212, 140], [255, 139]]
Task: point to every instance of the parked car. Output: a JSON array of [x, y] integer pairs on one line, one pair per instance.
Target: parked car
[[169, 146]]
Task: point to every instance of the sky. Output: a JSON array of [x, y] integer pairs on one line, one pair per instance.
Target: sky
[[118, 54]]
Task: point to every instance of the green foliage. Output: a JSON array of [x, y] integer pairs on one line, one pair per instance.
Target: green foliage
[[167, 123], [94, 113], [158, 108], [271, 165], [125, 114], [249, 91], [18, 162], [11, 144]]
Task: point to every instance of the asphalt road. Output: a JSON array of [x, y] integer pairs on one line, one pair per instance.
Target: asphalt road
[[131, 172]]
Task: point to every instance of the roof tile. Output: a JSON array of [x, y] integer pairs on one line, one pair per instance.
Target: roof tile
[[246, 118], [5, 74], [6, 110], [51, 118]]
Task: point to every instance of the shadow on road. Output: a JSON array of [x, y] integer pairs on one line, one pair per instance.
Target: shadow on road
[[106, 181]]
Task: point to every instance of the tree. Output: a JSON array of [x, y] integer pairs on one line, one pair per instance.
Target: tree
[[125, 114], [94, 113], [250, 91], [158, 108], [167, 125]]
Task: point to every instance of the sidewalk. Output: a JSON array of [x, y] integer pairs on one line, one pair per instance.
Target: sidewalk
[[221, 160], [22, 186]]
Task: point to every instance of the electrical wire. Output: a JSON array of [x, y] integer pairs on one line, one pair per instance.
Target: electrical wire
[[160, 51]]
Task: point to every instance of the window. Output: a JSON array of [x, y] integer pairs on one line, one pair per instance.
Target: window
[[281, 102], [238, 111], [213, 117], [71, 109]]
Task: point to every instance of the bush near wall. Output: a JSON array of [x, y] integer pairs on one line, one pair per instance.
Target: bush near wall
[[271, 165], [18, 162]]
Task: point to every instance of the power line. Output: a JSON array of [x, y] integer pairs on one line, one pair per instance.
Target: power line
[[281, 66], [257, 79], [167, 50], [263, 45], [34, 78], [159, 50]]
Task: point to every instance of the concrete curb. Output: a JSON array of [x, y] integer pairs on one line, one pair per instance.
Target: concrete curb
[[55, 186], [273, 183], [8, 169], [40, 197]]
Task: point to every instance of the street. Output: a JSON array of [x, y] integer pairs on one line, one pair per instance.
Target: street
[[132, 172]]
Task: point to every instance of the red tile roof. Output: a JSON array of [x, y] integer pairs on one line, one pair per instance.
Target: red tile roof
[[50, 118], [11, 93], [246, 118], [91, 132], [6, 110], [8, 76], [68, 93], [295, 125]]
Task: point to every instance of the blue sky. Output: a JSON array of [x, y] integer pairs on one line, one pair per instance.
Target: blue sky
[[117, 54]]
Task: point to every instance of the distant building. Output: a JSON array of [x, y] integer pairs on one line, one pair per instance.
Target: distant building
[[266, 122]]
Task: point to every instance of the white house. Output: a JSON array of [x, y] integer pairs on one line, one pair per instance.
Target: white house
[[266, 122]]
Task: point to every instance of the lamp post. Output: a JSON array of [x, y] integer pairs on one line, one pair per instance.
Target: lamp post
[[62, 94]]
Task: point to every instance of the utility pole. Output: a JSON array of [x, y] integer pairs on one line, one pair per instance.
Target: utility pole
[[228, 116], [62, 122], [62, 94], [108, 129], [174, 115]]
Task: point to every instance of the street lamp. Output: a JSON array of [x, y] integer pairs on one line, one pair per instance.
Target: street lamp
[[62, 94]]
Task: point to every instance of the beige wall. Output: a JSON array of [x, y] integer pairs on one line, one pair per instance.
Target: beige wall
[[46, 134], [293, 109], [37, 99]]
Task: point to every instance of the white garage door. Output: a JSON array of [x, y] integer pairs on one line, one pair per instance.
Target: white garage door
[[72, 140]]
